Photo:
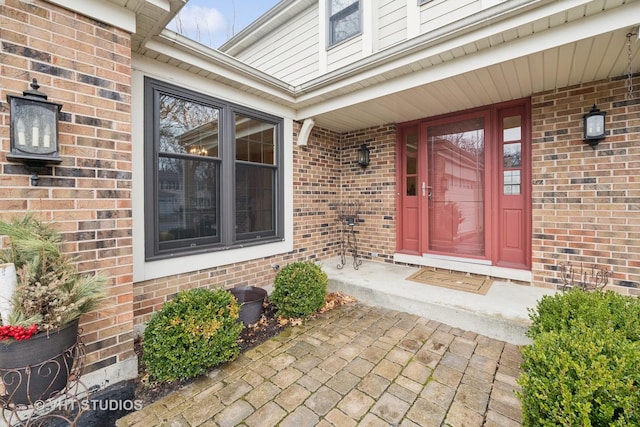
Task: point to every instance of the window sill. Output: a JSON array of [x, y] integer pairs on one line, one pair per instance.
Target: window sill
[[187, 263]]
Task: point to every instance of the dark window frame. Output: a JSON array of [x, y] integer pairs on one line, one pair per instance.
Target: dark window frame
[[338, 16], [225, 208]]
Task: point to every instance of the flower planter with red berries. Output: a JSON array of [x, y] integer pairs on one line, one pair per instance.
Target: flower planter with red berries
[[36, 367]]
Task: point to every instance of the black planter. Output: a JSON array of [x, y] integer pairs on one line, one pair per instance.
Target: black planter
[[37, 368], [251, 300]]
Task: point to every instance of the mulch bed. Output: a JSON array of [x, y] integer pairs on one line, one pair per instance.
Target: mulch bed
[[267, 327]]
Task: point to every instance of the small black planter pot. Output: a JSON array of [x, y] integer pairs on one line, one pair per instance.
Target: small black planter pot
[[38, 368], [250, 299]]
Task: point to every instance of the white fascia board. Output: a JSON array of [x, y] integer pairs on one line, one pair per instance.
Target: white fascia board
[[189, 52], [104, 11], [218, 89], [605, 22]]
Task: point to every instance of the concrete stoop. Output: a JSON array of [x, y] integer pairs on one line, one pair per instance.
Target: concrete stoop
[[502, 314]]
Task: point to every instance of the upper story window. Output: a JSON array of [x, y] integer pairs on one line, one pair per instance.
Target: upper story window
[[344, 20], [213, 173]]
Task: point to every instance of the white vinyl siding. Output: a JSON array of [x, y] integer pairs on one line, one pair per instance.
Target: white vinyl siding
[[438, 13], [346, 53], [297, 51], [290, 53], [392, 22]]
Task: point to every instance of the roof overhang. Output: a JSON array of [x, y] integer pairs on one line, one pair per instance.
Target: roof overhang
[[513, 50]]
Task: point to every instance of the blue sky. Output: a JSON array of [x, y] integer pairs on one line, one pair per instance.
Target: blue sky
[[213, 22]]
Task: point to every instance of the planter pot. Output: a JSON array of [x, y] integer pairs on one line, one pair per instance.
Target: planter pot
[[37, 368], [8, 281], [251, 300]]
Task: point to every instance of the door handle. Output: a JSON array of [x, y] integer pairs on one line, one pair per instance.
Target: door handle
[[429, 194]]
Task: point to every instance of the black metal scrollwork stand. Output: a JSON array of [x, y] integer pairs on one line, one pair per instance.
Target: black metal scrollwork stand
[[348, 218], [585, 279], [65, 405]]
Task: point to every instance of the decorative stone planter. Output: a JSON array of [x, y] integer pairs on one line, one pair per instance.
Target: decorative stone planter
[[250, 299]]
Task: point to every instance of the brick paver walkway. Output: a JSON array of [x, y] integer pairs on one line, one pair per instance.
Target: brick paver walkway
[[355, 365]]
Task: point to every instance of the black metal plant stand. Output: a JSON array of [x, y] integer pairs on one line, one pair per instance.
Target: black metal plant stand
[[348, 218], [65, 405], [585, 279]]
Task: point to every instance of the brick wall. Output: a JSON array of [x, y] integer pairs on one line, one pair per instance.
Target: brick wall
[[586, 203], [84, 65], [374, 187], [316, 177]]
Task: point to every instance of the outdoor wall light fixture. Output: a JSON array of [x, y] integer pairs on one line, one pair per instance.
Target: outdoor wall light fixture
[[363, 155], [594, 128], [33, 130]]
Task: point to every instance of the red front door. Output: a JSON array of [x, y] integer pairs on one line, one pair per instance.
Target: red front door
[[465, 188]]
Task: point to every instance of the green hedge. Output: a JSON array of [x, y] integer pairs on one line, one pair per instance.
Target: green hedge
[[583, 366], [607, 309], [195, 331], [299, 289]]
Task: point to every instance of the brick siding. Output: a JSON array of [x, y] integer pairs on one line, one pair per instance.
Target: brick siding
[[316, 181], [586, 202], [84, 65], [374, 187]]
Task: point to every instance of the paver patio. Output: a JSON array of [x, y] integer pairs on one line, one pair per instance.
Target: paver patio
[[355, 365]]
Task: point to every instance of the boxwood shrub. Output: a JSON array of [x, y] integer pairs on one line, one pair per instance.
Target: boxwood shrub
[[582, 368], [299, 289], [195, 331], [608, 309]]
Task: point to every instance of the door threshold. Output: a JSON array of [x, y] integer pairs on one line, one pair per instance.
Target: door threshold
[[466, 265]]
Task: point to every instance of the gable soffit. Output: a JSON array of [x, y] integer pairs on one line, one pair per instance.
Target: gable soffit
[[510, 51]]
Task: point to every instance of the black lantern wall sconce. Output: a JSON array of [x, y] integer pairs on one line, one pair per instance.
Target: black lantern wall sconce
[[33, 130], [594, 127], [363, 155]]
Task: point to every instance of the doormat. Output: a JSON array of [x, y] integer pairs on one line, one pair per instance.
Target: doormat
[[466, 282]]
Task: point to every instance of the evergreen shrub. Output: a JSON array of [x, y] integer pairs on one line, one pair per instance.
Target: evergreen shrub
[[195, 331], [299, 289], [582, 368]]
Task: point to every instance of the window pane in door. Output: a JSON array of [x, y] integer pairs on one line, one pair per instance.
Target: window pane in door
[[512, 182], [456, 187], [411, 172], [512, 128], [512, 155]]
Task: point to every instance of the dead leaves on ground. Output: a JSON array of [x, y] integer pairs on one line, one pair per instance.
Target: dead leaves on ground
[[331, 301]]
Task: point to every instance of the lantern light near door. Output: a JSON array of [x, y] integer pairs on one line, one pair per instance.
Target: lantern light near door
[[33, 130], [363, 155], [594, 126]]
